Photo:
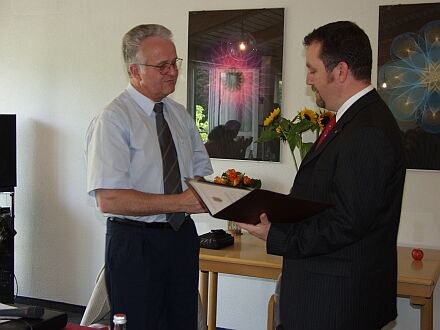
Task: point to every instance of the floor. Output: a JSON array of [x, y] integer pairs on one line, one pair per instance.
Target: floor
[[74, 312]]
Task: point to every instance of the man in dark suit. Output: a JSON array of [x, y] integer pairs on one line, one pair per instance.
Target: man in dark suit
[[340, 266]]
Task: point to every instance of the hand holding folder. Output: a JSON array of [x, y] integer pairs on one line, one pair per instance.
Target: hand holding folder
[[245, 205]]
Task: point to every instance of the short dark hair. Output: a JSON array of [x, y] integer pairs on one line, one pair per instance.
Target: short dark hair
[[343, 41]]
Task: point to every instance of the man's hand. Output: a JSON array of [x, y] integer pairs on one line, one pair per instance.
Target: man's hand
[[261, 230], [189, 202]]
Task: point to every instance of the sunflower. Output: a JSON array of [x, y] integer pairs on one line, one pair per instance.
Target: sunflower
[[324, 119], [274, 114], [268, 121], [308, 114], [291, 130]]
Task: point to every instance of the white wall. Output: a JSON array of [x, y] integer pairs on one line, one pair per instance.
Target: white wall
[[419, 226], [60, 63]]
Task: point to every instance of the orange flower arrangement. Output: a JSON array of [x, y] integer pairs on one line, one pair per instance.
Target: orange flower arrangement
[[237, 179]]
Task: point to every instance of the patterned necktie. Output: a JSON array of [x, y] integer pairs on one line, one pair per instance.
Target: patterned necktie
[[327, 129], [171, 173]]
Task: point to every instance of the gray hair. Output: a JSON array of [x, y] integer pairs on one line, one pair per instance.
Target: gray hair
[[133, 39]]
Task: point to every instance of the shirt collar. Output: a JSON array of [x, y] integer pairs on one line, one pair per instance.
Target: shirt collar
[[144, 102], [347, 104]]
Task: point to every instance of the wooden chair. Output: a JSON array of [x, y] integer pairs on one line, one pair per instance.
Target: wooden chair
[[273, 307], [270, 313]]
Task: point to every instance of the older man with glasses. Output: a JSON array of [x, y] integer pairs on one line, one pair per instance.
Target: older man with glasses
[[138, 151]]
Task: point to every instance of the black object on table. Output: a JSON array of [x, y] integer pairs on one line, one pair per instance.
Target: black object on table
[[52, 320], [216, 239]]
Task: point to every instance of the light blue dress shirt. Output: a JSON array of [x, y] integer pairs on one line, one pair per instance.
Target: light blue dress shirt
[[123, 152]]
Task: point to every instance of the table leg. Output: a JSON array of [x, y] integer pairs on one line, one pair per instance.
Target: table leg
[[426, 315], [426, 312], [212, 315], [204, 291]]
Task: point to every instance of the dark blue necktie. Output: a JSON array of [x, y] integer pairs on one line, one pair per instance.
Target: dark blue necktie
[[171, 173]]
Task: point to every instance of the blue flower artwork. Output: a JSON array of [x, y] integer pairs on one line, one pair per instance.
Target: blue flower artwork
[[410, 81], [408, 77]]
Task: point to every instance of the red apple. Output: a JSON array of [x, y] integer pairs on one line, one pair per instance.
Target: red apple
[[417, 254]]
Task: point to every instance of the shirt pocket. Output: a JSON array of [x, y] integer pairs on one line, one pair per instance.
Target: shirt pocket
[[145, 153]]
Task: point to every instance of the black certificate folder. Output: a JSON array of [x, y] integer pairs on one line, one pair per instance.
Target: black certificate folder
[[246, 205]]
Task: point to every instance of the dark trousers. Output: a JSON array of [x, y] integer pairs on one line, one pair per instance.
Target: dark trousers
[[152, 275]]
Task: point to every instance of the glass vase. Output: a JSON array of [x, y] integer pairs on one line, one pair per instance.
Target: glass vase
[[234, 229]]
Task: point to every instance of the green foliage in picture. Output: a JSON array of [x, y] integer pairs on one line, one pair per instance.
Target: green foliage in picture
[[202, 122]]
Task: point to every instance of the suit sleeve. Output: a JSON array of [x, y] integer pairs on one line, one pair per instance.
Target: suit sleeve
[[356, 186]]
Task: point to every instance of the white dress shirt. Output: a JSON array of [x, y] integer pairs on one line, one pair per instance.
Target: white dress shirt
[[347, 104], [123, 152]]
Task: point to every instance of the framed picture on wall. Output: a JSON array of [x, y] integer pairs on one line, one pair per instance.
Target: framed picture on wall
[[408, 77], [235, 60]]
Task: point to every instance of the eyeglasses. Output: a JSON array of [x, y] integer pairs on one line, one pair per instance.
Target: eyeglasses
[[165, 67]]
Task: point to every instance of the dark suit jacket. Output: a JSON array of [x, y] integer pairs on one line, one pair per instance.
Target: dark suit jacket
[[340, 266]]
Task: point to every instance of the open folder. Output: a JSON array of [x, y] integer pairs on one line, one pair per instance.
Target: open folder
[[246, 205]]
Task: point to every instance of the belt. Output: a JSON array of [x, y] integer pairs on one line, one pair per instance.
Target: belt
[[140, 224]]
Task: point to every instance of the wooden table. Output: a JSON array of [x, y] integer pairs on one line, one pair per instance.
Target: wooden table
[[416, 280], [248, 257]]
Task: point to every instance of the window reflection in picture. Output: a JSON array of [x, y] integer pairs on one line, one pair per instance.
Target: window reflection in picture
[[234, 79]]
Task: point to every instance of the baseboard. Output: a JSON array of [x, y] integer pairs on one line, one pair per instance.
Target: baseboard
[[55, 305]]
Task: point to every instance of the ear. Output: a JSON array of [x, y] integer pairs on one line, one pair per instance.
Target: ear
[[134, 71], [342, 71]]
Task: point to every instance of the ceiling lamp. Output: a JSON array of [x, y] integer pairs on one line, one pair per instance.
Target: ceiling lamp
[[242, 46]]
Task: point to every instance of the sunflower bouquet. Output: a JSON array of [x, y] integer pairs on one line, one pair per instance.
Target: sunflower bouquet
[[237, 179], [290, 131]]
